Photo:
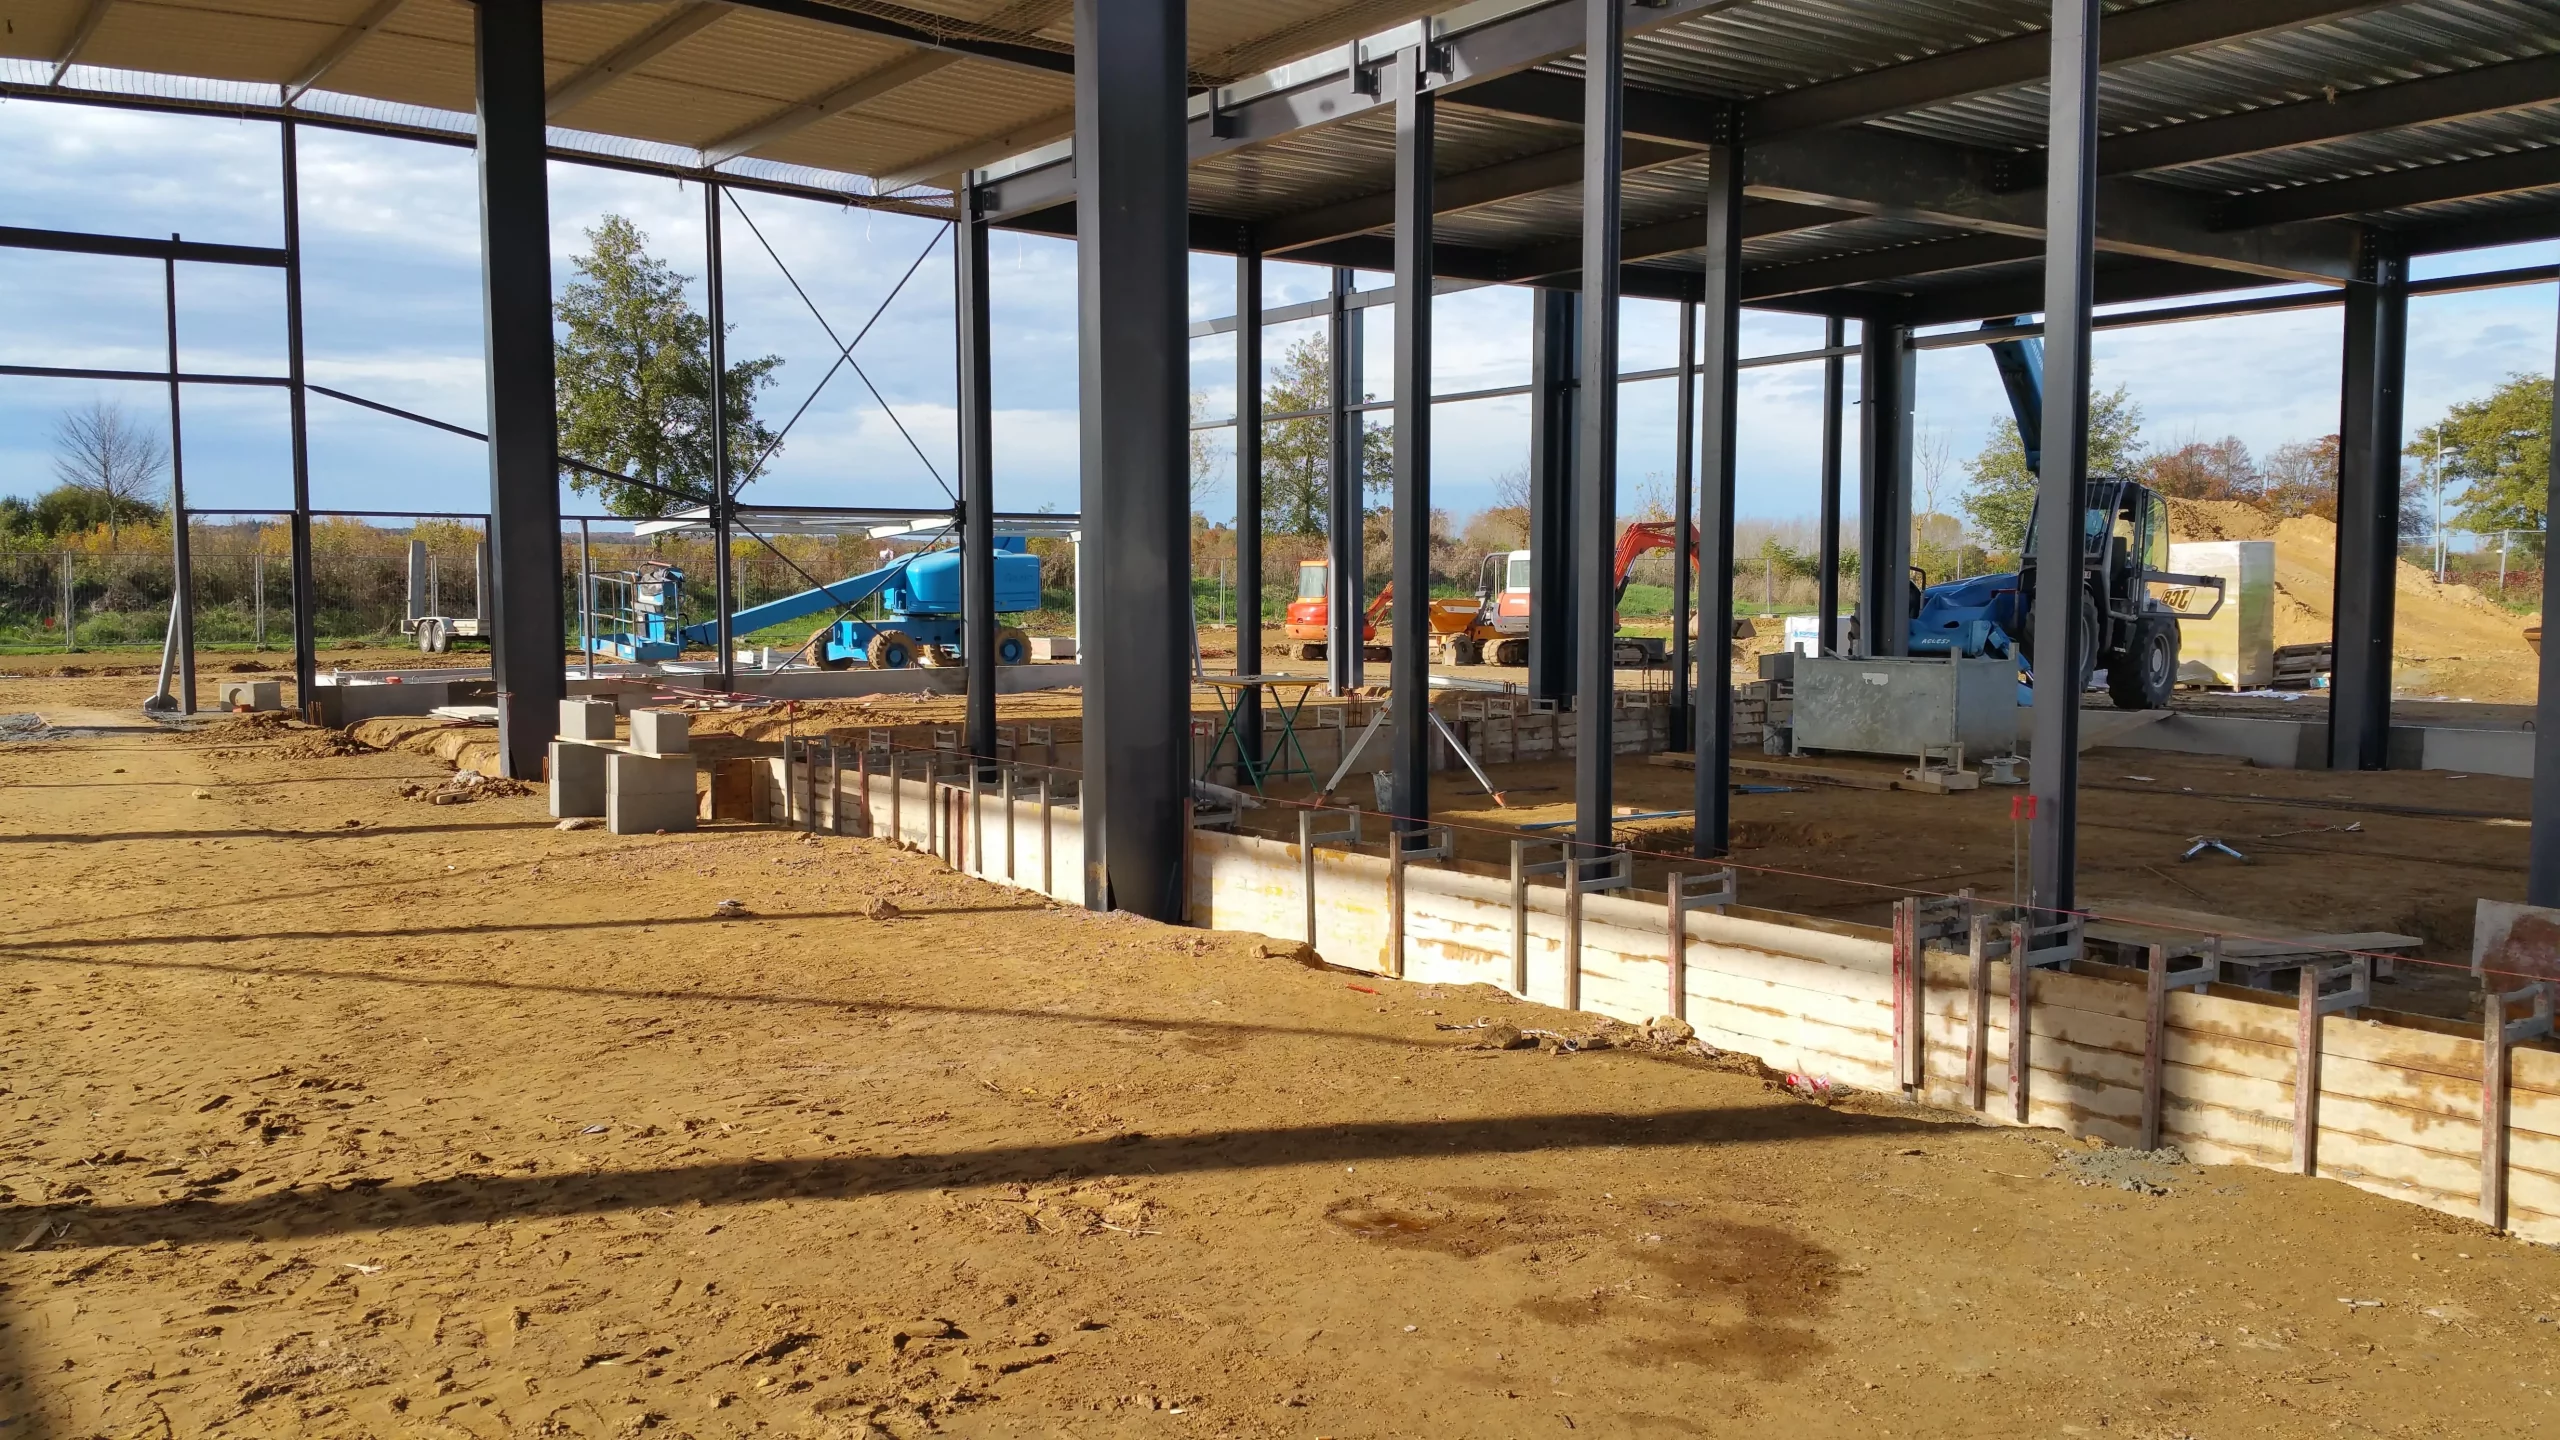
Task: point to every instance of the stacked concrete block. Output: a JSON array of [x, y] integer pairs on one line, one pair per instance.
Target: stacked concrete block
[[661, 732], [578, 778], [587, 719], [647, 793]]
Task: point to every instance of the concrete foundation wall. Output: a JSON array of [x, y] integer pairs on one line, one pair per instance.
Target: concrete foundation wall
[[2398, 1110]]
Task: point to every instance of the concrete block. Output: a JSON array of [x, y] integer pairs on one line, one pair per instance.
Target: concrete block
[[646, 793], [256, 694], [1053, 647], [344, 704], [583, 719], [577, 779], [661, 732]]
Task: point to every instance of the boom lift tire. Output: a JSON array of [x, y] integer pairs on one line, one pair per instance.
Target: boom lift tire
[[1012, 646], [891, 650], [818, 655]]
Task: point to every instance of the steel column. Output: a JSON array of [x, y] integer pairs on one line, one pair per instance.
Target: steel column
[[977, 474], [1132, 271], [1684, 479], [2071, 181], [1346, 598], [306, 652], [182, 570], [524, 424], [1555, 358], [1595, 511], [2368, 555], [1885, 401], [1409, 675], [1826, 606], [2542, 864], [1719, 357], [1249, 487], [715, 285]]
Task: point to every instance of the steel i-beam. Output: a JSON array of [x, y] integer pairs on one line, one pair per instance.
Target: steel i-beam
[[1409, 689], [2070, 258], [1132, 268]]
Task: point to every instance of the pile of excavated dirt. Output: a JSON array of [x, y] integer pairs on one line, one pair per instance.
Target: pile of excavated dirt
[[458, 743], [2448, 639]]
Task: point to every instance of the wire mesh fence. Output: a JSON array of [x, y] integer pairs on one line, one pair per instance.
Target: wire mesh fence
[[365, 584]]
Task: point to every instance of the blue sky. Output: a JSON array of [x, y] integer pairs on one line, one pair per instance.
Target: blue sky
[[392, 312]]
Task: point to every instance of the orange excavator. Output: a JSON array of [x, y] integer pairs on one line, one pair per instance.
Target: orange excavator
[[1493, 627]]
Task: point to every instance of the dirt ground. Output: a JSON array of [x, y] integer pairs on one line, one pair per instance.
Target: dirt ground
[[333, 1113]]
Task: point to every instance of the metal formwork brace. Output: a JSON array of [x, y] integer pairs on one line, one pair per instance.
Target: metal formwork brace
[[1986, 941], [835, 787], [897, 798], [862, 788], [1618, 874], [1917, 920], [1681, 893], [1048, 871], [2155, 1040], [2497, 1034], [975, 825], [1309, 837], [2315, 1006], [1522, 867], [1005, 794], [1400, 852], [2032, 947]]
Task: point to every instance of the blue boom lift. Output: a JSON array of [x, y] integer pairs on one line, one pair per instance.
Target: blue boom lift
[[2125, 628], [918, 621]]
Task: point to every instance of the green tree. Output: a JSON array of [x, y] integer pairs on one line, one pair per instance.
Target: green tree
[[1297, 455], [633, 365], [2498, 448], [2003, 492]]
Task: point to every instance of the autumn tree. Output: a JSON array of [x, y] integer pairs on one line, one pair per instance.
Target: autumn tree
[[633, 366], [2301, 478], [2206, 470]]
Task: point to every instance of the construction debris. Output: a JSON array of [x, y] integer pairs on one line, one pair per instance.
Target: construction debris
[[465, 787]]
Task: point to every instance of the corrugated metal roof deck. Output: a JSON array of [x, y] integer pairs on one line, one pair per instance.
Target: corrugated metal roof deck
[[2237, 115]]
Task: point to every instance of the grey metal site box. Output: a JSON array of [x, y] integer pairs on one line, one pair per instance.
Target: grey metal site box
[[1895, 706]]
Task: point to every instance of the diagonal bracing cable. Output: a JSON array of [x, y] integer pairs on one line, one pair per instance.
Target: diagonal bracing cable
[[843, 349]]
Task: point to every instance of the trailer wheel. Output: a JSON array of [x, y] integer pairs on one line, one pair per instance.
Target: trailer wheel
[[890, 650], [2144, 677]]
